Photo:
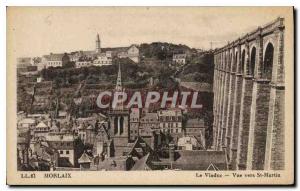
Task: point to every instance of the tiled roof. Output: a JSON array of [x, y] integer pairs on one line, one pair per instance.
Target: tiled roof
[[27, 121], [41, 125], [54, 128], [85, 158], [187, 140], [90, 127], [195, 123], [212, 167], [65, 137], [170, 112], [54, 57], [152, 116]]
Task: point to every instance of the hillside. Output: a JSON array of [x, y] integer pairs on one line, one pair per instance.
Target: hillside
[[198, 69], [163, 51]]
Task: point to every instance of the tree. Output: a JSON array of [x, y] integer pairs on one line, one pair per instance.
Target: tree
[[78, 144], [69, 64]]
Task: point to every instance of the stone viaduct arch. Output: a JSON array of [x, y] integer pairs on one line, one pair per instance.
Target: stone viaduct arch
[[249, 99]]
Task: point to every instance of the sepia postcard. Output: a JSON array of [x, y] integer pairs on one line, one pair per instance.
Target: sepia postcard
[[150, 96]]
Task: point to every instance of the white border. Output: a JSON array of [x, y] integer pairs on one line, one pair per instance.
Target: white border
[[3, 83]]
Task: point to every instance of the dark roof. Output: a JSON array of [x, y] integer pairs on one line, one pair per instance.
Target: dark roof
[[64, 162], [114, 163], [117, 49], [200, 160], [54, 57]]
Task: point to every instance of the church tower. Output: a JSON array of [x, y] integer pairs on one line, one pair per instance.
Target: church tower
[[119, 89], [119, 81], [119, 122], [98, 44]]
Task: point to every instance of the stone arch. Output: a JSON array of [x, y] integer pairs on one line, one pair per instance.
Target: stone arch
[[236, 61], [225, 61], [230, 61], [253, 53], [268, 61], [221, 60], [243, 63]]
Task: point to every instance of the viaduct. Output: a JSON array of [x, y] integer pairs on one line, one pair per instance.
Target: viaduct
[[249, 91]]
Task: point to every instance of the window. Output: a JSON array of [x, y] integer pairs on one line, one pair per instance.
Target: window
[[67, 152], [61, 152]]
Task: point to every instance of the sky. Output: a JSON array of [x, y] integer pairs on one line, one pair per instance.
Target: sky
[[36, 31]]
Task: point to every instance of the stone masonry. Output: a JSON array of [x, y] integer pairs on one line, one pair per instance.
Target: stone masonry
[[249, 94]]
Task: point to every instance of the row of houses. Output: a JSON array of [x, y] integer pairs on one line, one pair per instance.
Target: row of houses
[[61, 134], [86, 59], [80, 58]]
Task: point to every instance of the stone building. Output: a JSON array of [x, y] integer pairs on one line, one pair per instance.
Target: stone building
[[170, 121], [148, 124], [83, 63], [23, 139], [119, 128], [41, 130], [64, 144], [249, 90], [131, 52], [55, 60], [179, 59], [134, 123], [196, 127], [103, 59]]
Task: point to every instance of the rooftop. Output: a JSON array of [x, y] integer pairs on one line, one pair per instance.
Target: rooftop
[[200, 160], [194, 123]]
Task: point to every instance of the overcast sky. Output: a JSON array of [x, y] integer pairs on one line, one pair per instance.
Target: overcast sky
[[38, 31]]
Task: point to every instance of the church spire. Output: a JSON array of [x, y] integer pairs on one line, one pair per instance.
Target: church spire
[[119, 80], [98, 46]]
